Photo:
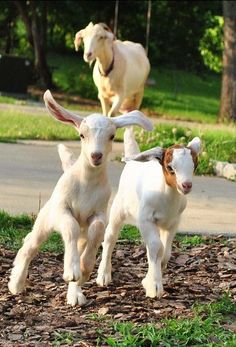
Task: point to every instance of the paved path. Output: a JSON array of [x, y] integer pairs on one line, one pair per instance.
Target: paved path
[[28, 174]]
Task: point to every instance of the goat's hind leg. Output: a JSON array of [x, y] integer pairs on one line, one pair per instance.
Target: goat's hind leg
[[27, 252]]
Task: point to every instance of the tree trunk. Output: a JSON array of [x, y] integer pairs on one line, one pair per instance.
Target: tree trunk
[[39, 38], [228, 89], [35, 20]]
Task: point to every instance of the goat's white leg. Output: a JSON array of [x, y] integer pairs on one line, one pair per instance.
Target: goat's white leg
[[117, 102], [130, 145], [111, 236], [27, 252], [167, 237], [69, 229], [87, 260], [95, 237], [105, 105], [152, 283]]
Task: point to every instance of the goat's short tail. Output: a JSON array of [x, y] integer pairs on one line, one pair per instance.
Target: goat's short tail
[[66, 156], [130, 145]]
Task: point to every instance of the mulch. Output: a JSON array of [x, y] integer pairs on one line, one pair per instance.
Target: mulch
[[198, 274]]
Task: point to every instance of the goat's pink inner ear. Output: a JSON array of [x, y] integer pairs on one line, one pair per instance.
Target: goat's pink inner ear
[[58, 114]]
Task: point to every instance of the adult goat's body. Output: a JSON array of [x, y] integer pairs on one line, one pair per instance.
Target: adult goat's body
[[120, 70], [151, 195], [78, 205]]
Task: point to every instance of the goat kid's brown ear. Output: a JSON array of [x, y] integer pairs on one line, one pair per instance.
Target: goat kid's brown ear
[[154, 153], [78, 39]]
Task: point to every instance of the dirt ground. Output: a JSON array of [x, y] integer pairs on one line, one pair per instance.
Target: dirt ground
[[195, 274]]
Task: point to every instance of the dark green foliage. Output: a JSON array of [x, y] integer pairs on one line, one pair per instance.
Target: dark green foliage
[[176, 27]]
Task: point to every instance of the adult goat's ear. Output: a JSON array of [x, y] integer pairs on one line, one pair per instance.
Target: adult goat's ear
[[78, 39], [133, 118], [59, 112], [154, 153], [195, 145]]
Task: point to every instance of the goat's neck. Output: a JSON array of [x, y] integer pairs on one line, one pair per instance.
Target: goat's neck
[[105, 58], [88, 173]]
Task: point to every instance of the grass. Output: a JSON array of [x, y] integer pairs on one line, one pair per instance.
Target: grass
[[13, 230], [217, 144], [208, 328], [176, 94]]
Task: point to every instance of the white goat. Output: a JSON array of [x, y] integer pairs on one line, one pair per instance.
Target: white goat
[[78, 205], [120, 71], [151, 195]]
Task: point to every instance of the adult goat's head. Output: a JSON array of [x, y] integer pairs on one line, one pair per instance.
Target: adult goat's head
[[94, 36], [96, 131]]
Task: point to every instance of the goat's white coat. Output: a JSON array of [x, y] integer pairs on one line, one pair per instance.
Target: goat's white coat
[[78, 205], [123, 87], [144, 199]]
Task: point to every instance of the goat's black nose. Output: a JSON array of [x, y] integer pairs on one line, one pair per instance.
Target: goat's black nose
[[89, 54], [96, 155]]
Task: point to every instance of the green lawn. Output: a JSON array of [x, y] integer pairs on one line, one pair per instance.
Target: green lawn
[[176, 94]]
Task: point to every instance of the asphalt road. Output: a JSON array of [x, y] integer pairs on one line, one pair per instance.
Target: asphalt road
[[29, 172]]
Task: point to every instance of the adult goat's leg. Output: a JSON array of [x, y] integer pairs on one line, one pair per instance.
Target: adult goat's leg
[[152, 283], [32, 242], [117, 102]]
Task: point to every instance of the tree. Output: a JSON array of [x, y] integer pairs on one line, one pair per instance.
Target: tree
[[228, 89], [34, 16]]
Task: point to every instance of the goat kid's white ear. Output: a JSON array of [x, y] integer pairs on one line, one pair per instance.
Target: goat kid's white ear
[[195, 145], [133, 118], [59, 112], [154, 153], [78, 39]]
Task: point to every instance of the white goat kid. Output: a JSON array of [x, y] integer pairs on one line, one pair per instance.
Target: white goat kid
[[78, 205], [151, 195], [120, 71]]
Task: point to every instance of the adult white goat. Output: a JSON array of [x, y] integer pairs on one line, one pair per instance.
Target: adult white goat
[[120, 71], [151, 195], [77, 207]]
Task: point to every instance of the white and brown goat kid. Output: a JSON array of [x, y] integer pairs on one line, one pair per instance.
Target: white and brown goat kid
[[78, 205], [152, 196]]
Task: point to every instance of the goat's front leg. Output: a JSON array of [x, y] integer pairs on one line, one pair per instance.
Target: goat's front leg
[[117, 102], [167, 237], [152, 283], [89, 250], [69, 229], [27, 252], [105, 104], [111, 236]]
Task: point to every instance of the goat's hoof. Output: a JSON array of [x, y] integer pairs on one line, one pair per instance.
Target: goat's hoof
[[75, 295], [16, 287], [103, 279], [153, 289]]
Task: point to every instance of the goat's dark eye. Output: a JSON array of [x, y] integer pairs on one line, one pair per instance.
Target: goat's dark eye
[[81, 136], [170, 169], [112, 137]]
